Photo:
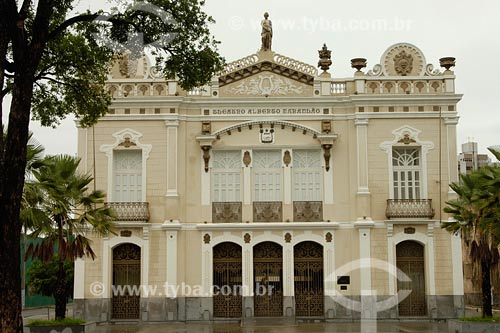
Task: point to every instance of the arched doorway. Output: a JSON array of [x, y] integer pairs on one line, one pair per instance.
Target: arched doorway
[[268, 279], [410, 260], [227, 280], [126, 296], [308, 279]]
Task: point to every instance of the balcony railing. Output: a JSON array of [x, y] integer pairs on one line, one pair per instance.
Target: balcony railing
[[307, 211], [226, 212], [409, 208], [130, 211], [267, 211]]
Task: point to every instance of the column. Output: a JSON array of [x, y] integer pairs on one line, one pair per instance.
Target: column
[[172, 163], [171, 262], [451, 144], [458, 277], [247, 274], [363, 209], [288, 275], [368, 299]]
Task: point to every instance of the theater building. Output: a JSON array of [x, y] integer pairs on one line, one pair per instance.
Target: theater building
[[325, 193]]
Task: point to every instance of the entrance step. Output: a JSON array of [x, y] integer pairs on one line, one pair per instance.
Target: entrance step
[[268, 321]]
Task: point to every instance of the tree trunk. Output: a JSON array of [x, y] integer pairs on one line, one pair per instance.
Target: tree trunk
[[11, 188], [486, 288], [61, 294]]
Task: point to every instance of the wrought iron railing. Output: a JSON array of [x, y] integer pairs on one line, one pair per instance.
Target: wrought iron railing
[[267, 211], [226, 212], [130, 211], [409, 208], [307, 211]]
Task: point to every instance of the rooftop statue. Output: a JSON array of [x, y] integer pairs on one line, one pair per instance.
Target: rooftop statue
[[267, 33]]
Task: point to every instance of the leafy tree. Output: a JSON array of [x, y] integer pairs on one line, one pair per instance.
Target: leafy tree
[[61, 212], [476, 211], [52, 65], [42, 277]]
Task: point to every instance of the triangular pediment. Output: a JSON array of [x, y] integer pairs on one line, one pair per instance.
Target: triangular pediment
[[267, 61], [267, 74]]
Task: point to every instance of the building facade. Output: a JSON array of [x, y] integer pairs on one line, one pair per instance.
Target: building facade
[[470, 160], [276, 191]]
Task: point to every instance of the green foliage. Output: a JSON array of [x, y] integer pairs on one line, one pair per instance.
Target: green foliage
[[61, 322], [73, 64], [62, 208], [42, 277]]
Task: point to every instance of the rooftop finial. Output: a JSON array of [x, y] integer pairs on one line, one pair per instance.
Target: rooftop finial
[[325, 61], [267, 33]]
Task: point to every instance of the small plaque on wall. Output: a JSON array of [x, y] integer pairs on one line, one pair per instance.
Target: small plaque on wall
[[409, 230], [346, 279], [125, 233]]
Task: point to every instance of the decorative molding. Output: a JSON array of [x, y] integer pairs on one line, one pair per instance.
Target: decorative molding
[[133, 138], [206, 156], [247, 238], [288, 237], [401, 136], [247, 158], [267, 85], [206, 239], [287, 158], [327, 155]]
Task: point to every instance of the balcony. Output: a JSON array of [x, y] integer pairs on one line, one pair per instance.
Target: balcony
[[130, 211], [307, 211], [267, 211], [409, 208], [226, 212]]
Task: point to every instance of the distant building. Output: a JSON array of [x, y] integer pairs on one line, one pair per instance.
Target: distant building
[[469, 159]]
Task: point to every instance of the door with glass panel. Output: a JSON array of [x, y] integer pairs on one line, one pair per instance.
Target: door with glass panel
[[226, 188], [267, 186]]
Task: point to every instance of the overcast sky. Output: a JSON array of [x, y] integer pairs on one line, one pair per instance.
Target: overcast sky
[[467, 30]]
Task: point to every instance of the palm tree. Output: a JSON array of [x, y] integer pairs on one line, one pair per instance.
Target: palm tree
[[476, 211], [62, 210]]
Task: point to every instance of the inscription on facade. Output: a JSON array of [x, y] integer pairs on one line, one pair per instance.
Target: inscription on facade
[[264, 111]]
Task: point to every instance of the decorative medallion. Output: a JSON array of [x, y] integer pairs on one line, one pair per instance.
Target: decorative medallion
[[287, 158], [267, 135], [247, 238], [407, 139], [127, 143], [247, 159], [128, 65], [288, 237], [402, 59], [328, 237], [266, 85], [206, 239], [403, 63]]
